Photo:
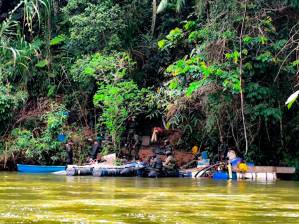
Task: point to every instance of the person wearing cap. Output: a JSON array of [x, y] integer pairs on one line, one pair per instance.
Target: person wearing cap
[[170, 161]]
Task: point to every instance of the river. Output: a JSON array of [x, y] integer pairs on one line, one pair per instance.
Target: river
[[82, 200]]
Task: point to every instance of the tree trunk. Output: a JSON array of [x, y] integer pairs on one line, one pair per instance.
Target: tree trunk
[[154, 17]]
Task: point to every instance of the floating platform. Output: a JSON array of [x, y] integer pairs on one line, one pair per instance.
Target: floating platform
[[262, 173], [95, 170], [99, 170], [73, 170]]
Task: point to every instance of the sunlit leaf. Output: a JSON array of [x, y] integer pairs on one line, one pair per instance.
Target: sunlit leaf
[[292, 98], [57, 40], [42, 63]]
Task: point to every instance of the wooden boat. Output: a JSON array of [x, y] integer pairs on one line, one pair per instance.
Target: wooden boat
[[39, 168]]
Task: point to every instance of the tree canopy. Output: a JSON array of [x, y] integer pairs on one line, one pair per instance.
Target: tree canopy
[[218, 71]]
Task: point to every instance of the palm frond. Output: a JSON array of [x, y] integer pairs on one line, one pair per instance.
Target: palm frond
[[162, 6], [15, 53], [179, 5], [8, 29], [33, 8]]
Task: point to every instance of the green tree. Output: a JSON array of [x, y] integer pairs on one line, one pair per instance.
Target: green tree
[[119, 102], [94, 25]]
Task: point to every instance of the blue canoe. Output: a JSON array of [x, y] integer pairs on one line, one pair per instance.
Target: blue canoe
[[39, 168]]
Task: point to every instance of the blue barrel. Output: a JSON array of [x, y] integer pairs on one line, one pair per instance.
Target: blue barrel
[[220, 175]]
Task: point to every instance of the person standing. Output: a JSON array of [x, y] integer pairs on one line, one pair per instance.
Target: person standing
[[96, 145], [157, 132], [69, 151]]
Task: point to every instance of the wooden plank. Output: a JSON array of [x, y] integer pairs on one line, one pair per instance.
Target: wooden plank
[[274, 169], [288, 170], [264, 169]]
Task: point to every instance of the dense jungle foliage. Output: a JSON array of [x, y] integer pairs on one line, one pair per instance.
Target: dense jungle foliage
[[218, 71]]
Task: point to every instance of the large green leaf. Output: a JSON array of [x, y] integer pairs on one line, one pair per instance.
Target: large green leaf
[[42, 63], [57, 40], [292, 98], [162, 6]]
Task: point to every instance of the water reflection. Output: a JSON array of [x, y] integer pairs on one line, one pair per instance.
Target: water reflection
[[61, 199]]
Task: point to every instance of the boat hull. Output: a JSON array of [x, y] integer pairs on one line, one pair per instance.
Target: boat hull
[[39, 168]]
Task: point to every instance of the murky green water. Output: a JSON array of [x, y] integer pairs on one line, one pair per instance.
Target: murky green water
[[60, 199]]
